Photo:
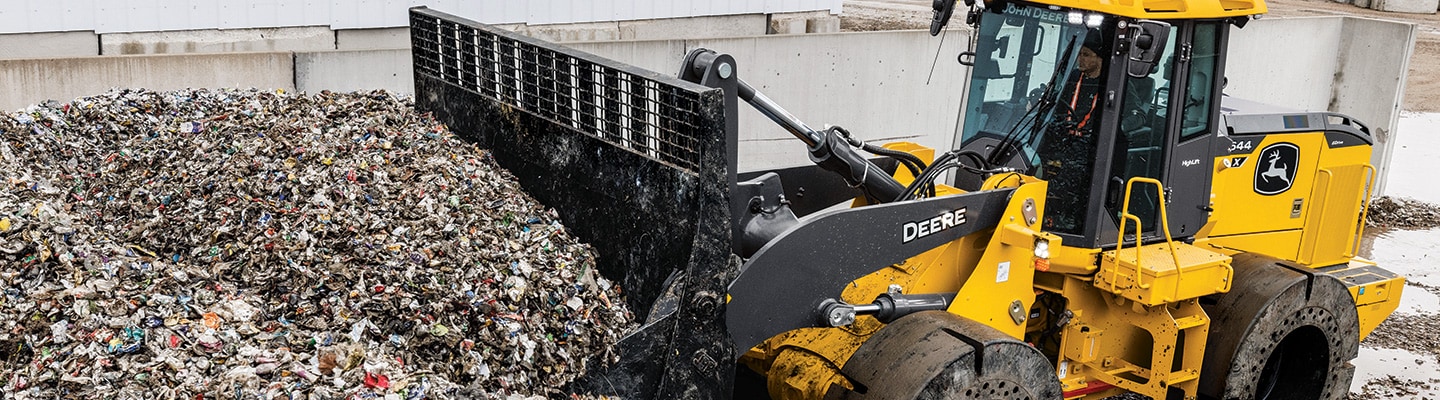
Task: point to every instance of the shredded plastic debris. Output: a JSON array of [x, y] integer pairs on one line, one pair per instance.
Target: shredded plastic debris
[[245, 243]]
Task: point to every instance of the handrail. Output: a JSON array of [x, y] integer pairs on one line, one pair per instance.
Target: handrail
[[1364, 210], [1164, 223], [1126, 216], [1319, 223]]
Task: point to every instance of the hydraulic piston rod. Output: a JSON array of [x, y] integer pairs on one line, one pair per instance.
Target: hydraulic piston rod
[[827, 149], [778, 114]]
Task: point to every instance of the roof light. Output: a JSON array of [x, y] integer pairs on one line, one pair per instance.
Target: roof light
[[1076, 18], [1094, 20]]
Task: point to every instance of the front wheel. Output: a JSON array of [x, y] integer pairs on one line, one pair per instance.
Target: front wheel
[[938, 355]]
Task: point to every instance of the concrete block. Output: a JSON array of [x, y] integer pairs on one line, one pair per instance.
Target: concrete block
[[694, 28], [372, 39], [346, 71], [661, 56], [304, 38], [1369, 83], [33, 81], [787, 26], [827, 24], [1255, 75], [879, 85], [1406, 6], [561, 33], [799, 22], [873, 83], [49, 45]]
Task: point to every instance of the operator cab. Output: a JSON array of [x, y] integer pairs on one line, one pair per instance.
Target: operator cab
[[1154, 99]]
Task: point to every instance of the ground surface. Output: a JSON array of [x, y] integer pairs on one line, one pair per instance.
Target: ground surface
[[1401, 358]]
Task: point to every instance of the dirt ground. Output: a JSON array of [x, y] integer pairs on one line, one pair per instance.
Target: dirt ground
[[1422, 91]]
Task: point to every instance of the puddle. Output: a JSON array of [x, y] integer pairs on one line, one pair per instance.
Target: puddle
[[1414, 255], [1377, 367], [1385, 373]]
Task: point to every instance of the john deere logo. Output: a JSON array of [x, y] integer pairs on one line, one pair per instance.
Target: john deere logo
[[1275, 171]]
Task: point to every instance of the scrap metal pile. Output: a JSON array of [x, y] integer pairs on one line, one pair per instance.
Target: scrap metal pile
[[245, 243]]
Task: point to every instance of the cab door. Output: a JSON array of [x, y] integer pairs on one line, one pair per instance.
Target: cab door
[[1166, 123], [1200, 64]]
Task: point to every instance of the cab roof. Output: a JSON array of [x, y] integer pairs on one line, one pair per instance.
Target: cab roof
[[1167, 9]]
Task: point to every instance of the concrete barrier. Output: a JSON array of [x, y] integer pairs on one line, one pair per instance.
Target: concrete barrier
[[36, 80], [305, 38], [1406, 6], [49, 44], [372, 39], [345, 71], [879, 85], [1353, 66], [322, 38]]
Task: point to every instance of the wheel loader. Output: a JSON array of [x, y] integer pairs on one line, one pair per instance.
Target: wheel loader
[[1174, 242]]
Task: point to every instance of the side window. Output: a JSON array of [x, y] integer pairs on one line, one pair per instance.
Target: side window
[[1142, 116], [1199, 92]]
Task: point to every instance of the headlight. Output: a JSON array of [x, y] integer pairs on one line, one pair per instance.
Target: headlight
[[1042, 248]]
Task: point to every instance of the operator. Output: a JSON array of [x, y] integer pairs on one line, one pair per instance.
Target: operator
[[1068, 151]]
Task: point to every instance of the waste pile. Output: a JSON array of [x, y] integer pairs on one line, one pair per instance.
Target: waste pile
[[1402, 213], [259, 244]]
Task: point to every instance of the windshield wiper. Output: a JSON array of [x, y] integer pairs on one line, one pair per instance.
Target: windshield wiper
[[1010, 143]]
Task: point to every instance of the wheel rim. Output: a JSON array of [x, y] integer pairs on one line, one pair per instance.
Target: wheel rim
[[996, 389], [1296, 369]]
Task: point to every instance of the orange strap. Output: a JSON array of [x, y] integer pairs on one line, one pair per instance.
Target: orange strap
[[1075, 99]]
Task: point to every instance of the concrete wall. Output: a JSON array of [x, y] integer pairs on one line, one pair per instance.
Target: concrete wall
[[119, 16], [1292, 76], [675, 28], [49, 44], [1370, 80], [311, 38], [322, 38], [346, 71], [33, 81], [1353, 66], [873, 83]]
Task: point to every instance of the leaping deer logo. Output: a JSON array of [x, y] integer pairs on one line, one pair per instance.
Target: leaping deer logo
[[1276, 171]]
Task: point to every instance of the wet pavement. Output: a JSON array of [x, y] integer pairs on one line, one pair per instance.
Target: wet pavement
[[1401, 359]]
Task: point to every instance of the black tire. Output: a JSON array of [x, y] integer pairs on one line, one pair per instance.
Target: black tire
[[938, 355], [1280, 334]]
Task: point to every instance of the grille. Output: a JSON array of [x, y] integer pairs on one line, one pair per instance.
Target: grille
[[650, 114]]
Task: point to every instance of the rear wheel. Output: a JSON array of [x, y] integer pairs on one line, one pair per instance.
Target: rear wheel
[[938, 355], [1280, 334]]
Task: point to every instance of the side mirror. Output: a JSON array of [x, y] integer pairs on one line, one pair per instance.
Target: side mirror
[[942, 10], [1147, 43]]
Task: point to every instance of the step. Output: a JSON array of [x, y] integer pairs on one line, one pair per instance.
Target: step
[[1150, 274]]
